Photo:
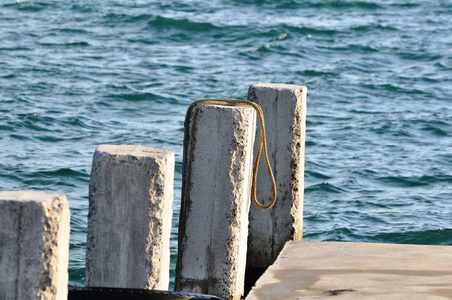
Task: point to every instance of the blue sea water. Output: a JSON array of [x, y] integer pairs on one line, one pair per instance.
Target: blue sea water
[[77, 74]]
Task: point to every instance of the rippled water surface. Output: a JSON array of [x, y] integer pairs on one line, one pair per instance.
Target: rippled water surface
[[76, 74]]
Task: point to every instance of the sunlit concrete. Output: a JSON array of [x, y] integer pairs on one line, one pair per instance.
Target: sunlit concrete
[[317, 270]]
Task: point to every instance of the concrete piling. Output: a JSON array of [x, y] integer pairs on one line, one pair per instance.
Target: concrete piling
[[129, 221], [215, 202], [284, 107], [34, 245]]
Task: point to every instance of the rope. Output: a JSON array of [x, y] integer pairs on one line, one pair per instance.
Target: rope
[[197, 105], [187, 167]]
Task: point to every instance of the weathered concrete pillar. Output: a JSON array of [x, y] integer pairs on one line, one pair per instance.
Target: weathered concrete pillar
[[129, 220], [284, 107], [215, 202], [34, 245]]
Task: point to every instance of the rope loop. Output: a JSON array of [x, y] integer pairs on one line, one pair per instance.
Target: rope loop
[[262, 146]]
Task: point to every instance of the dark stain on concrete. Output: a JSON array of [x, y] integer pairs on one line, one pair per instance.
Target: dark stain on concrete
[[338, 292]]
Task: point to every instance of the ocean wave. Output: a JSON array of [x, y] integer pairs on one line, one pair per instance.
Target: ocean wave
[[73, 31], [392, 87], [298, 4], [28, 6], [143, 96], [304, 30], [440, 236], [15, 48], [317, 175], [65, 45], [355, 48], [341, 4], [63, 172], [323, 187], [414, 181], [373, 28], [119, 18], [316, 73], [406, 5], [160, 22]]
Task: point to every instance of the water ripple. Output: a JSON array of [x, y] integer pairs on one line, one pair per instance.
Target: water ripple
[[378, 162]]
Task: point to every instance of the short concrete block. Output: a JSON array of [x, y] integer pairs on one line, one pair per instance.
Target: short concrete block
[[129, 221], [34, 245], [284, 108], [214, 215]]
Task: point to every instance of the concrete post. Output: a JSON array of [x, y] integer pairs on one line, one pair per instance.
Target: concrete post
[[129, 220], [284, 108], [34, 245], [215, 205]]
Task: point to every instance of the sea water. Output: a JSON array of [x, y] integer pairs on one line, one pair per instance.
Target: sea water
[[77, 74]]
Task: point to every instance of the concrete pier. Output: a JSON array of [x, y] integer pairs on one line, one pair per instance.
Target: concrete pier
[[129, 221], [216, 199], [34, 245], [284, 107], [317, 270]]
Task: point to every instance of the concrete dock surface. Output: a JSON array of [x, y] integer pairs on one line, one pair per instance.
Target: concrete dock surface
[[317, 270]]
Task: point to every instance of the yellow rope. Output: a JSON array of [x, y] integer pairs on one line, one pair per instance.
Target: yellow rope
[[197, 105]]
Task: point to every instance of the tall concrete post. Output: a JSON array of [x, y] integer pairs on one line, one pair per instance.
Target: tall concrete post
[[34, 245], [129, 220], [284, 108], [215, 202]]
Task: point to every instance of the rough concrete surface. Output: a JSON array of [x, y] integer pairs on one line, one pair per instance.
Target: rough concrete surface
[[213, 250], [284, 108], [34, 245], [129, 220], [318, 270]]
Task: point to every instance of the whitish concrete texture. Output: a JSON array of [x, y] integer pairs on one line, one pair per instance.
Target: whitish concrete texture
[[129, 220], [34, 245], [284, 108], [214, 231], [317, 270]]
